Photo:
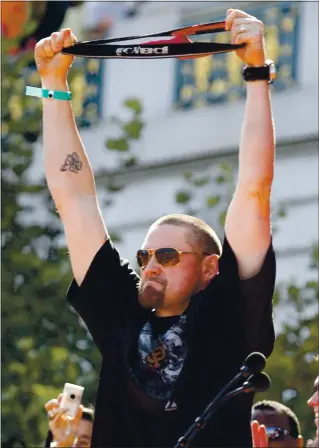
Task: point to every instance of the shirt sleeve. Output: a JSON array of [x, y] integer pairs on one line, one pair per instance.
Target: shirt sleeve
[[109, 289], [255, 296]]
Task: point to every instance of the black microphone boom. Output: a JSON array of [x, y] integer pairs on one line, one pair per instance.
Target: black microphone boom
[[252, 366]]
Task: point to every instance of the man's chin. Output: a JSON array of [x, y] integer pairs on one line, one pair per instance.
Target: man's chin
[[150, 298]]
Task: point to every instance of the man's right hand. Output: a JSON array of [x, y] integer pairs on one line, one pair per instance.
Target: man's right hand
[[259, 435], [51, 63]]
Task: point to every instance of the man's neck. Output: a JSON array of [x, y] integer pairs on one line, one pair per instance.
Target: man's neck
[[178, 311]]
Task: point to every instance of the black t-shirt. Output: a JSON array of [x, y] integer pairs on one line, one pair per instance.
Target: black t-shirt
[[158, 374]]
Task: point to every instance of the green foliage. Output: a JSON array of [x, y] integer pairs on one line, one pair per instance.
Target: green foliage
[[194, 194], [134, 104], [201, 181], [182, 197], [37, 358], [122, 145], [112, 187], [128, 132], [44, 344], [119, 144], [211, 201], [130, 162]]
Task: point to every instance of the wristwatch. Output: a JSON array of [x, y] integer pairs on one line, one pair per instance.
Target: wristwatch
[[265, 73]]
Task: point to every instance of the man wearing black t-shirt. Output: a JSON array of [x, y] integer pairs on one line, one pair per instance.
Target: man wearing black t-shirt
[[171, 338]]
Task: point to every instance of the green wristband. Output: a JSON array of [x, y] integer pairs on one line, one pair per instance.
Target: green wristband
[[49, 94]]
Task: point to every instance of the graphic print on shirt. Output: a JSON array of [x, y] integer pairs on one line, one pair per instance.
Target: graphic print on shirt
[[161, 360]]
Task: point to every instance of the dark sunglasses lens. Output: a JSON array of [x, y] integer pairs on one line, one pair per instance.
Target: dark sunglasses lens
[[275, 433], [167, 256], [142, 258]]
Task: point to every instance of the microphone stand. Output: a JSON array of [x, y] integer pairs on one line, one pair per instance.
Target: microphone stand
[[200, 422], [218, 401], [257, 382], [254, 363], [211, 408]]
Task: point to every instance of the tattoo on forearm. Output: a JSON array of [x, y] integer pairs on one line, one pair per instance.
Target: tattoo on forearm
[[72, 163]]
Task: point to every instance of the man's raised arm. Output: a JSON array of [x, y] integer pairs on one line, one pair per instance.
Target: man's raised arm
[[68, 172], [247, 226]]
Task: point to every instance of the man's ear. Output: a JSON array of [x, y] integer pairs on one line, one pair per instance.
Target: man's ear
[[210, 267]]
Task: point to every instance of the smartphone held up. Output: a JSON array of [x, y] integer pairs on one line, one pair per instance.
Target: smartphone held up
[[71, 399]]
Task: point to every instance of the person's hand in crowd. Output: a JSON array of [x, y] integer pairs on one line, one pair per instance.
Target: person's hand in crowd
[[64, 429], [259, 435], [313, 443], [51, 63], [246, 29]]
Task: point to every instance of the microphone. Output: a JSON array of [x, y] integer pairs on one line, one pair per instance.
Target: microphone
[[257, 382], [253, 364], [262, 382]]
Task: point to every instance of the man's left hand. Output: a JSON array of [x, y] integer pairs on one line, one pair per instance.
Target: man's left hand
[[250, 31]]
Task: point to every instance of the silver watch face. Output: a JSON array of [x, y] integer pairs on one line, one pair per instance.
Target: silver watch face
[[272, 70]]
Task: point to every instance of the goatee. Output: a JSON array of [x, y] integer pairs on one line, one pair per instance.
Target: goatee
[[150, 298]]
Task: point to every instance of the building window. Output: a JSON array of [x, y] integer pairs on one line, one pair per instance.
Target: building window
[[215, 79]]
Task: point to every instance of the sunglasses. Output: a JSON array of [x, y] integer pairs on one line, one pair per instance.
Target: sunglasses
[[276, 433], [167, 257]]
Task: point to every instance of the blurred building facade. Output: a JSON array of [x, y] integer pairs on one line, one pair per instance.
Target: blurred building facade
[[193, 112]]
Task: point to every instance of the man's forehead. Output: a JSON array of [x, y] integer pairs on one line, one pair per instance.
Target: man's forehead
[[85, 428], [271, 418], [167, 235]]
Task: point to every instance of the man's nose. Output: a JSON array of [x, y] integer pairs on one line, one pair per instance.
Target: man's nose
[[313, 400], [152, 266]]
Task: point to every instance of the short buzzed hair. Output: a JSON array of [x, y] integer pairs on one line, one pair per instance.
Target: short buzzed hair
[[279, 408], [201, 234]]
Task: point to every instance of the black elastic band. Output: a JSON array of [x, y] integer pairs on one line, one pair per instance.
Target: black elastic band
[[101, 48], [148, 51]]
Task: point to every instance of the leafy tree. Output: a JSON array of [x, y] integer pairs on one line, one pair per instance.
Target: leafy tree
[[43, 345], [36, 358]]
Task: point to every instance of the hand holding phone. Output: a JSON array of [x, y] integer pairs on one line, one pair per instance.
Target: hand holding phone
[[63, 428]]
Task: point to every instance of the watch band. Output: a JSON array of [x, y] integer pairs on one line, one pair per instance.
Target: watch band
[[265, 73], [49, 94]]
